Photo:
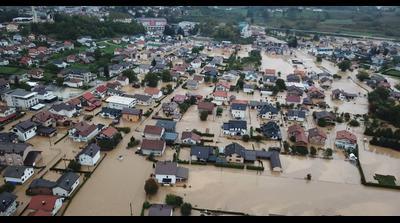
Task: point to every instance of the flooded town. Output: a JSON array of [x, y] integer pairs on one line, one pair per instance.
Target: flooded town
[[156, 118]]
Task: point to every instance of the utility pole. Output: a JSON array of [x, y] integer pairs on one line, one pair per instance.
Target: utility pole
[[130, 205]]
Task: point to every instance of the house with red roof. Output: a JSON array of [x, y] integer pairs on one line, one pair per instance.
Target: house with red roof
[[27, 61], [153, 132], [222, 86], [83, 131], [293, 99], [108, 133], [45, 205], [68, 45], [101, 91], [179, 98], [300, 136], [36, 73], [270, 72], [220, 97], [153, 146], [317, 136], [7, 113], [33, 52], [345, 140], [205, 106], [71, 58], [154, 92], [190, 138]]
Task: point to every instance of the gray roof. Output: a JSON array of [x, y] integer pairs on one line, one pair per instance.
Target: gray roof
[[6, 199], [268, 108], [67, 180], [131, 111], [19, 92], [324, 114], [202, 152], [169, 126], [6, 137], [271, 129], [63, 106], [13, 147], [111, 111], [272, 155], [192, 83], [238, 106], [142, 97], [166, 168], [15, 171], [160, 210], [25, 126], [298, 113], [90, 150], [182, 172], [235, 124], [42, 183]]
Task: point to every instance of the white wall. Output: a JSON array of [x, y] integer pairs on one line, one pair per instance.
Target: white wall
[[86, 160], [161, 177]]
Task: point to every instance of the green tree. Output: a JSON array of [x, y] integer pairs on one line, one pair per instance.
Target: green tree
[[328, 152], [173, 200], [319, 59], [246, 138], [280, 84], [344, 65], [59, 81], [150, 186], [322, 122], [203, 115], [313, 151], [151, 79], [74, 165], [166, 76], [186, 209], [354, 123], [131, 75], [169, 31], [207, 79], [362, 75]]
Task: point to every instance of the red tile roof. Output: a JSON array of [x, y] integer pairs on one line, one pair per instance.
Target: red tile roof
[[101, 89], [344, 134], [151, 90], [42, 202], [270, 71], [152, 144], [109, 131], [220, 94], [152, 129], [293, 98], [191, 135], [88, 96], [224, 84], [204, 105]]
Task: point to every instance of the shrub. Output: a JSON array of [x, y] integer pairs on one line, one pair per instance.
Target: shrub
[[328, 152], [354, 123], [74, 165], [7, 187], [246, 138], [125, 130], [173, 200], [203, 115], [186, 209], [313, 151], [257, 138], [219, 111], [301, 150], [250, 167], [151, 186], [322, 122], [230, 165]]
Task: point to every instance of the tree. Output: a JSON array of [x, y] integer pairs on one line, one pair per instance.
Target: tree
[[319, 59], [166, 76], [344, 65], [215, 80], [180, 32], [203, 115], [362, 75], [328, 152], [280, 84], [131, 75], [354, 123], [292, 42], [153, 62], [219, 111], [151, 79], [169, 31], [346, 116], [322, 122], [151, 186], [74, 165], [173, 200], [195, 30], [186, 209], [301, 150], [292, 138], [246, 138], [106, 71], [286, 146], [313, 151], [59, 81], [316, 37], [207, 79]]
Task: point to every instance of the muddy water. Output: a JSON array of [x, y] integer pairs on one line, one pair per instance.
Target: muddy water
[[240, 190]]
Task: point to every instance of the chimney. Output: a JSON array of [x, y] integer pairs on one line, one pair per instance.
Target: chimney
[[67, 181], [43, 202], [4, 201]]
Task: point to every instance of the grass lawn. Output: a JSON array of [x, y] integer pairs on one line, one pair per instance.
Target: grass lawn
[[12, 70], [392, 72], [385, 179], [80, 66], [338, 21]]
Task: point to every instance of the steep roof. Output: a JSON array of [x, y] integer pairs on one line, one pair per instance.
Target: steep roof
[[42, 183], [148, 144], [191, 135], [67, 180], [43, 202], [152, 129], [90, 150], [15, 171], [6, 199], [344, 134], [202, 152]]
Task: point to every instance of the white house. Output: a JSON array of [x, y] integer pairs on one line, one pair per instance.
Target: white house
[[345, 140], [238, 110], [153, 132], [8, 204], [248, 88], [119, 102], [155, 93], [155, 147], [190, 138], [220, 97], [17, 174], [123, 80], [25, 130], [169, 173], [20, 98], [235, 128], [63, 109], [196, 63], [66, 184], [83, 131], [89, 156]]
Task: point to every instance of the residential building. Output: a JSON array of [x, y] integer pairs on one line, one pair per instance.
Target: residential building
[[132, 114], [45, 205], [17, 174], [153, 25], [170, 108], [142, 99], [89, 156], [66, 184], [20, 98], [169, 173], [41, 186], [8, 205], [298, 132], [123, 80], [155, 93], [8, 137], [338, 94], [153, 132], [25, 130], [238, 110], [154, 146], [83, 131], [205, 106], [248, 88], [317, 136], [190, 138], [296, 115], [220, 97], [118, 102], [202, 154], [271, 130], [345, 140], [160, 210], [192, 84], [222, 86], [64, 109], [11, 152], [235, 128], [110, 113], [268, 111], [7, 113]]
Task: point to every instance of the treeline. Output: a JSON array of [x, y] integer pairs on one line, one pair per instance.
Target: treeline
[[71, 27], [227, 32], [382, 107]]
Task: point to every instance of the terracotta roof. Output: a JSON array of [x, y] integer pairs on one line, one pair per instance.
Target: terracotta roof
[[344, 134], [151, 90], [152, 144], [84, 128], [293, 98], [88, 96], [101, 89], [238, 101], [40, 213], [190, 135], [179, 97], [270, 71], [42, 202], [316, 132], [152, 129], [198, 78], [205, 106], [224, 83], [220, 94], [74, 101], [109, 131]]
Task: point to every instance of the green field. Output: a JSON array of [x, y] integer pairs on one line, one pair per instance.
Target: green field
[[12, 70], [338, 21], [392, 72], [385, 179]]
